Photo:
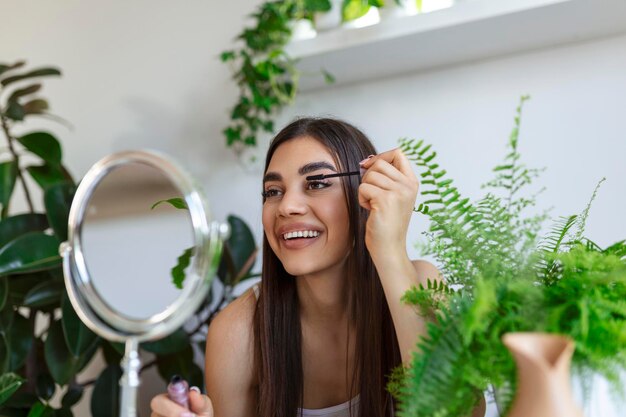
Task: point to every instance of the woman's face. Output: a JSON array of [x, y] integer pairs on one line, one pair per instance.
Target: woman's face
[[306, 222]]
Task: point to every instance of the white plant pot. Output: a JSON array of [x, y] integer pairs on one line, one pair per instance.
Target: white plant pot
[[302, 29], [393, 10], [432, 5], [330, 19]]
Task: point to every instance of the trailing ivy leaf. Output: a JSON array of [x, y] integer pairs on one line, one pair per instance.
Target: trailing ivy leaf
[[15, 226], [15, 111], [317, 5], [105, 400], [46, 175], [31, 252], [45, 294], [178, 271], [72, 396], [44, 145], [353, 9], [58, 200], [8, 67], [45, 386], [175, 342], [9, 383], [328, 77], [40, 72], [20, 341], [36, 106], [8, 175], [227, 56], [77, 336], [178, 203], [24, 92]]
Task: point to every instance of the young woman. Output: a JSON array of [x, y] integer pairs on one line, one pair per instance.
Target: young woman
[[325, 327]]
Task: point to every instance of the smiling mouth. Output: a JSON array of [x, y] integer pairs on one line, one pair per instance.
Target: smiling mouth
[[301, 234]]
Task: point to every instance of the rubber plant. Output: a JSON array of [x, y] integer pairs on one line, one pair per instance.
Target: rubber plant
[[502, 276], [43, 344]]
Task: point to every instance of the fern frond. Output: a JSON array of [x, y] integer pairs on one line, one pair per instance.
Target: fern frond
[[582, 217]]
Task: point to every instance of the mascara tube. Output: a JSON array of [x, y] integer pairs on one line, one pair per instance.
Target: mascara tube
[[178, 391]]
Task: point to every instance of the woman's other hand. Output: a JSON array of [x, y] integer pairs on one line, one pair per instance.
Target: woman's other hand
[[388, 190], [200, 406]]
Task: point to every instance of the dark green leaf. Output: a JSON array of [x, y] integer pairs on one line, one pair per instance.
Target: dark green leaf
[[178, 203], [63, 412], [112, 354], [15, 226], [58, 200], [239, 252], [44, 145], [24, 92], [77, 336], [21, 284], [41, 72], [175, 342], [61, 363], [31, 252], [105, 400], [178, 272], [20, 341], [9, 383], [4, 354], [15, 111], [328, 77], [47, 175], [4, 291], [45, 386], [8, 175], [227, 56], [181, 364], [47, 293], [72, 396]]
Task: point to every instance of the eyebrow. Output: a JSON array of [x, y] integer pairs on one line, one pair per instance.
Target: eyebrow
[[304, 169]]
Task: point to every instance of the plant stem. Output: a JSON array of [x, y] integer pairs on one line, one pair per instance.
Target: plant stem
[[16, 158], [31, 370]]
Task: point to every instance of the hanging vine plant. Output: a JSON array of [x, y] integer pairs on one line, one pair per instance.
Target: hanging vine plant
[[265, 74]]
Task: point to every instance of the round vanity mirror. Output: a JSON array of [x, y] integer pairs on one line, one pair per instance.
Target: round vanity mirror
[[141, 253]]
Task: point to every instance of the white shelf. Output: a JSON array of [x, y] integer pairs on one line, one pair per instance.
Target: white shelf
[[471, 30]]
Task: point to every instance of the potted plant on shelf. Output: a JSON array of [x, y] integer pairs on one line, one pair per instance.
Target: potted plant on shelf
[[399, 8], [502, 278], [43, 352]]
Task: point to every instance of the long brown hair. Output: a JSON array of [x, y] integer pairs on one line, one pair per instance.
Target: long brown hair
[[277, 331]]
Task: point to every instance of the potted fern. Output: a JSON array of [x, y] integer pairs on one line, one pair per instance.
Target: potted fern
[[502, 277]]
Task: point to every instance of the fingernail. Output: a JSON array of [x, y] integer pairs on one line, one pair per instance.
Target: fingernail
[[187, 414], [363, 171], [196, 389], [366, 159]]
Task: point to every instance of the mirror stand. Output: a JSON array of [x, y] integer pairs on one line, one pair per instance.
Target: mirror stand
[[131, 365]]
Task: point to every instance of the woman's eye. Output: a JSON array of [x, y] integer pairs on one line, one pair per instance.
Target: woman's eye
[[270, 193], [317, 185]]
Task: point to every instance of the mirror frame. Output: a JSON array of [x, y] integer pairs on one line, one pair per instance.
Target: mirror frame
[[93, 310]]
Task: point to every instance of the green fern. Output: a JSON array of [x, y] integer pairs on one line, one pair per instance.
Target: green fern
[[506, 280]]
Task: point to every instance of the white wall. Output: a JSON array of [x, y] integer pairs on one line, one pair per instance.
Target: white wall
[[146, 74]]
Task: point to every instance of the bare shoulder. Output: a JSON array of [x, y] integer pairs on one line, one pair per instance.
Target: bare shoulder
[[229, 363], [426, 270]]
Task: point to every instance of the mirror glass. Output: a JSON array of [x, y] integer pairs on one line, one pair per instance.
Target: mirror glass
[[136, 244]]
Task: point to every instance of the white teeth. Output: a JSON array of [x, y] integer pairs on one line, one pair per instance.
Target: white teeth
[[301, 233]]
